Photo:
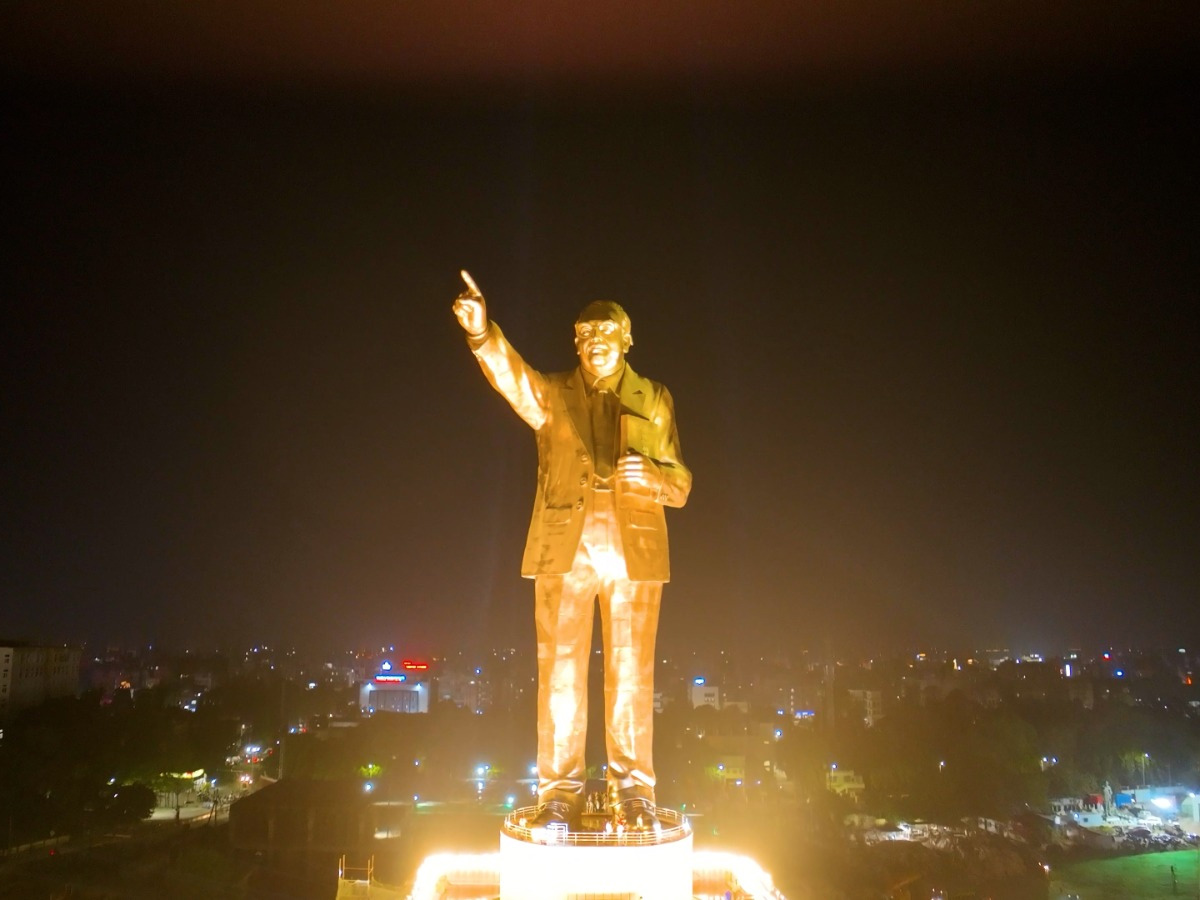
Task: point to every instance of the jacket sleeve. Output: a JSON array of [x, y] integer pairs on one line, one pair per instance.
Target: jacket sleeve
[[677, 477], [519, 383]]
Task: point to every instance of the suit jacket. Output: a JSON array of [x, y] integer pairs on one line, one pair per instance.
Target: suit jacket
[[556, 407]]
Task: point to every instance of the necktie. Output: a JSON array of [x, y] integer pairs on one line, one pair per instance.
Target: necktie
[[604, 422]]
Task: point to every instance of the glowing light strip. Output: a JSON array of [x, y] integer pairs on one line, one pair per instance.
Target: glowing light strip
[[748, 876], [440, 871], [433, 877]]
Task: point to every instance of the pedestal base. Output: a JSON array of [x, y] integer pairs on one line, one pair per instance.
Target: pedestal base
[[562, 871], [559, 864]]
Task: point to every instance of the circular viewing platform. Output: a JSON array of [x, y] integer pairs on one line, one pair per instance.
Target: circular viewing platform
[[597, 830]]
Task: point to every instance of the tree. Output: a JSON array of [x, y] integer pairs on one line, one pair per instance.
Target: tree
[[129, 803]]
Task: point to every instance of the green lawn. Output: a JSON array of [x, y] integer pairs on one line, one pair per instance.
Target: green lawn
[[1128, 878]]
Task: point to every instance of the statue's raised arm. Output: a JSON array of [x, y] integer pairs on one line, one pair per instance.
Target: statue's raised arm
[[470, 308]]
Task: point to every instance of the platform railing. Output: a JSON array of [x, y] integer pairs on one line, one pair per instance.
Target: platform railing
[[674, 826]]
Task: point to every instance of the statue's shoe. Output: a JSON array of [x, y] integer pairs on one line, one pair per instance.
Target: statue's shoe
[[555, 812], [638, 814]]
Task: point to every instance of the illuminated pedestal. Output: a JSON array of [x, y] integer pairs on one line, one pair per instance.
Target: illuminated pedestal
[[563, 865], [589, 864]]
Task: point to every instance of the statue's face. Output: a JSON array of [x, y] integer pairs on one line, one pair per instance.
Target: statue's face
[[601, 344]]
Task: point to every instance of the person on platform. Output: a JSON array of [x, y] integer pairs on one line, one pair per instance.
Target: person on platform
[[608, 464]]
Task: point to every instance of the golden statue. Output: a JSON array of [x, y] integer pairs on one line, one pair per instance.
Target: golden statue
[[608, 462]]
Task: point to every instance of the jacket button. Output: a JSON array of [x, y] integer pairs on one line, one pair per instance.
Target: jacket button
[[579, 504], [583, 457], [583, 479]]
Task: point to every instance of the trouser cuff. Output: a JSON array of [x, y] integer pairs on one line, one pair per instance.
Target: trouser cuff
[[637, 792]]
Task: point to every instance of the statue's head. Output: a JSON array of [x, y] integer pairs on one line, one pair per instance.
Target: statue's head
[[602, 337]]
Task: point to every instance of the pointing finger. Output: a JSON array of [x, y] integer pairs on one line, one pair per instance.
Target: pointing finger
[[471, 285]]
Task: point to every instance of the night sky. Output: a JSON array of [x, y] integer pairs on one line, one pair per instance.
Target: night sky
[[921, 278]]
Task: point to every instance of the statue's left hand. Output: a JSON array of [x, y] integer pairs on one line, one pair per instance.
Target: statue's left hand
[[638, 472]]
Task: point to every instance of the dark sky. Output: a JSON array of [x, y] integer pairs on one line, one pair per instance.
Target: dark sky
[[921, 278]]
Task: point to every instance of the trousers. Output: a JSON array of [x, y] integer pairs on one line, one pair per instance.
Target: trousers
[[564, 613]]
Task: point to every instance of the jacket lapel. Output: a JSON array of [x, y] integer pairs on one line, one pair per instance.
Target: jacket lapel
[[635, 393], [575, 398]]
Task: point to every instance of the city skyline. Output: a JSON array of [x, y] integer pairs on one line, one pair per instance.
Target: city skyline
[[935, 379]]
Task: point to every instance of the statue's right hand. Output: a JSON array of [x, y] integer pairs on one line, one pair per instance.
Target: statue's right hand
[[470, 309]]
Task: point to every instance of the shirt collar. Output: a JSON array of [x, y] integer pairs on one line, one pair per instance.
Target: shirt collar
[[607, 383]]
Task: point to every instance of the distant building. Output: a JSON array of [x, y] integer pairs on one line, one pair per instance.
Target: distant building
[[744, 749], [389, 690], [844, 782], [704, 694], [730, 768], [31, 675], [870, 704], [465, 690]]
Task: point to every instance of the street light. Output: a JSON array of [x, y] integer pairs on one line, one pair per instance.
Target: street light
[[1145, 756]]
